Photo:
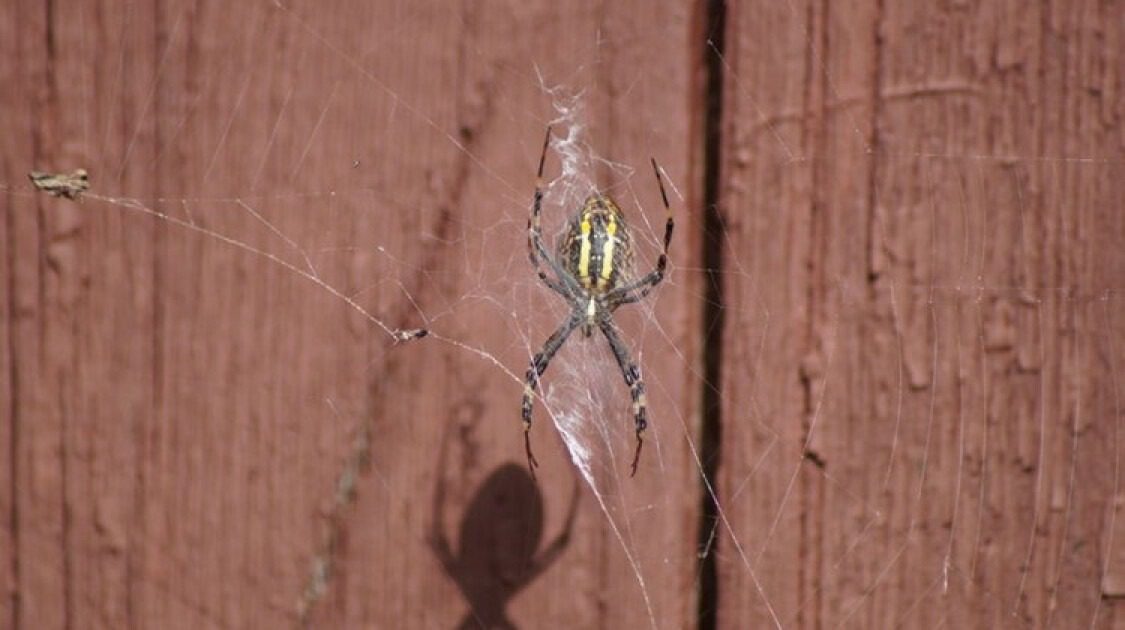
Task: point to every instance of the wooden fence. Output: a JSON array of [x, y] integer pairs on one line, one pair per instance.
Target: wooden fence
[[890, 339]]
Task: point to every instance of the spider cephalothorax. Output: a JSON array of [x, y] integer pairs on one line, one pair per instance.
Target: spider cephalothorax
[[593, 273]]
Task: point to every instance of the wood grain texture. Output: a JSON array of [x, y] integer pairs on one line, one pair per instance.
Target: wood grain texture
[[925, 201], [205, 434], [208, 422]]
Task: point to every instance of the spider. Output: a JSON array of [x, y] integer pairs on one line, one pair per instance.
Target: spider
[[593, 273]]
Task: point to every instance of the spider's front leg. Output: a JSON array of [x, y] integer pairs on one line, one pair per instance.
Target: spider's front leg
[[562, 284], [633, 380], [539, 364], [637, 290]]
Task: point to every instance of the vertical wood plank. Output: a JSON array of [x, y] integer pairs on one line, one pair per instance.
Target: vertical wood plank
[[66, 531], [78, 322], [767, 212], [932, 439], [39, 594], [209, 432], [14, 145]]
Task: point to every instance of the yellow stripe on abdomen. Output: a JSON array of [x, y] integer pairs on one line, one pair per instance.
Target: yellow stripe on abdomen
[[607, 253], [584, 253]]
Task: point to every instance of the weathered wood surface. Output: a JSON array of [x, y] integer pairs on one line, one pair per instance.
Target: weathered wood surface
[[185, 410], [920, 393], [922, 409]]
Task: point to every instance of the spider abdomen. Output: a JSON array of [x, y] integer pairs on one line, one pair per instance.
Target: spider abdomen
[[597, 249]]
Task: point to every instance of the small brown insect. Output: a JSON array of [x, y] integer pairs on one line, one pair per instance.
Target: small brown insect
[[593, 273], [68, 185], [408, 335]]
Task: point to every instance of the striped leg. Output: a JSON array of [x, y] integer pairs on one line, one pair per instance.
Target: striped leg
[[539, 365], [564, 286], [636, 291], [633, 381]]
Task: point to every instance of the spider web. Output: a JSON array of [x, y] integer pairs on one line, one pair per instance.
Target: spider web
[[917, 507]]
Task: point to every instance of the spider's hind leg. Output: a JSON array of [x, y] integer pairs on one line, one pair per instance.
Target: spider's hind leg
[[539, 364], [636, 386]]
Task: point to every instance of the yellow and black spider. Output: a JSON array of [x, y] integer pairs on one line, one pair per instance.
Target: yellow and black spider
[[594, 277]]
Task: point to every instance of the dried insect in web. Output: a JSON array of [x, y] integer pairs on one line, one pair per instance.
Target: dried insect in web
[[593, 273], [69, 185]]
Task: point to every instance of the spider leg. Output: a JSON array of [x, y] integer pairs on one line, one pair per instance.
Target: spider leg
[[539, 365], [636, 291], [564, 285], [633, 380]]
